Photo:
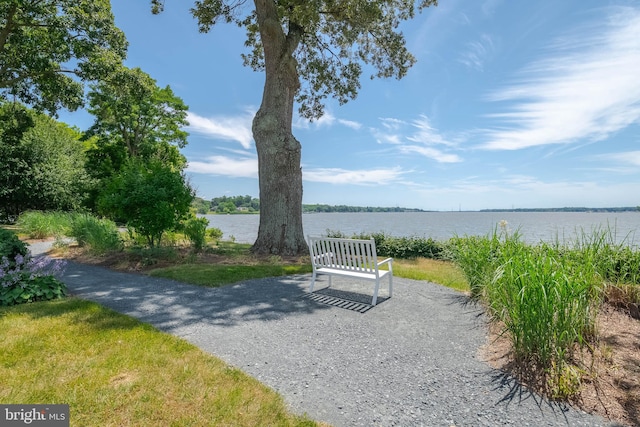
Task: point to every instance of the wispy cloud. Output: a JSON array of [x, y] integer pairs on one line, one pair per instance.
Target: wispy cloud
[[628, 158], [417, 137], [358, 177], [246, 167], [231, 128], [327, 120], [626, 163], [588, 88], [477, 52]]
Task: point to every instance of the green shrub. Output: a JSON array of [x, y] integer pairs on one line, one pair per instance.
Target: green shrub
[[150, 197], [214, 233], [399, 247], [99, 235], [196, 231], [10, 245], [25, 279]]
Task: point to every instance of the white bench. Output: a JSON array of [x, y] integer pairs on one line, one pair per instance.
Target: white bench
[[348, 257]]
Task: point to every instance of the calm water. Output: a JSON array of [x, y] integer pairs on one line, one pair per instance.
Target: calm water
[[533, 226]]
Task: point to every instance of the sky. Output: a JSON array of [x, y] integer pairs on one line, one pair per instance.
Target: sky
[[511, 104]]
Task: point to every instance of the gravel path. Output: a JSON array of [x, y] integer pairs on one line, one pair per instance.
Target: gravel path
[[410, 361]]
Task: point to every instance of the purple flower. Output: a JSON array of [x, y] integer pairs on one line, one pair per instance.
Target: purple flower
[[19, 259]]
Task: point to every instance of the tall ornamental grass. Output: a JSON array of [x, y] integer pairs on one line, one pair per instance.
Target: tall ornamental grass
[[547, 297], [40, 225], [98, 235]]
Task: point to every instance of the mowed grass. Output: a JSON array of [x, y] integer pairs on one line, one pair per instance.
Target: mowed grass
[[444, 273], [116, 371], [215, 275]]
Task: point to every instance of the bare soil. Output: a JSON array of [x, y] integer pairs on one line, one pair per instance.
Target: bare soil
[[610, 370]]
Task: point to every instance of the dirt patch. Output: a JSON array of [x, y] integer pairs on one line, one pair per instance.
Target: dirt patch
[[610, 383]]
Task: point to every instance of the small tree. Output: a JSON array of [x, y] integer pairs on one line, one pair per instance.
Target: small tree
[[150, 197]]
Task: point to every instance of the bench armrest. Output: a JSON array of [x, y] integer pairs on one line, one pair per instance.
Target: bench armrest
[[385, 261]]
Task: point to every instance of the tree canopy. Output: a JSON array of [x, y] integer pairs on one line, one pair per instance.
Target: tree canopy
[[48, 47], [132, 112], [329, 40]]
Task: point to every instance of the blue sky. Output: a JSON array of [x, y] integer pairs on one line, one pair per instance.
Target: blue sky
[[512, 104]]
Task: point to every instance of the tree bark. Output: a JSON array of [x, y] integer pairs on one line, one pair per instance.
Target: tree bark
[[279, 153]]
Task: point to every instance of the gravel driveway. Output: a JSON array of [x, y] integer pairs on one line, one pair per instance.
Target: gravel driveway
[[412, 360]]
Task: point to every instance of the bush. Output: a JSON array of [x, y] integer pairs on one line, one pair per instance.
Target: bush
[[196, 231], [99, 235], [150, 197], [25, 279], [399, 247], [214, 233], [10, 245]]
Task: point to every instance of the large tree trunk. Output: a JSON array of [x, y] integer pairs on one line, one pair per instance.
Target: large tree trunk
[[279, 153]]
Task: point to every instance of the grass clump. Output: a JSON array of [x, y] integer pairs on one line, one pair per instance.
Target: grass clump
[[114, 370], [40, 225], [98, 235], [547, 296]]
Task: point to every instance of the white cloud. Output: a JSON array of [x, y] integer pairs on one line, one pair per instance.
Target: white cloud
[[427, 134], [232, 128], [226, 166], [358, 177], [477, 52], [327, 120], [431, 153], [422, 138], [350, 124], [588, 88], [629, 157]]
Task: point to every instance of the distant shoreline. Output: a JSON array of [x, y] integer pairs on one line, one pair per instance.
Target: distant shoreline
[[370, 209], [574, 209]]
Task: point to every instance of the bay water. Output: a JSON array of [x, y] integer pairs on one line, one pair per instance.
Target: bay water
[[534, 227]]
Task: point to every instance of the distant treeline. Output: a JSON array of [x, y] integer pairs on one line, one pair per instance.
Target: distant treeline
[[622, 209], [248, 204], [344, 208]]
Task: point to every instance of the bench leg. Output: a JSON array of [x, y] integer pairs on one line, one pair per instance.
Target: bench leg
[[313, 282], [375, 293], [390, 285]]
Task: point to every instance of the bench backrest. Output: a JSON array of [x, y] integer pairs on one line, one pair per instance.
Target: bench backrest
[[343, 254]]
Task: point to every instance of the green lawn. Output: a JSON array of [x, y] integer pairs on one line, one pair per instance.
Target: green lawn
[[116, 371]]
